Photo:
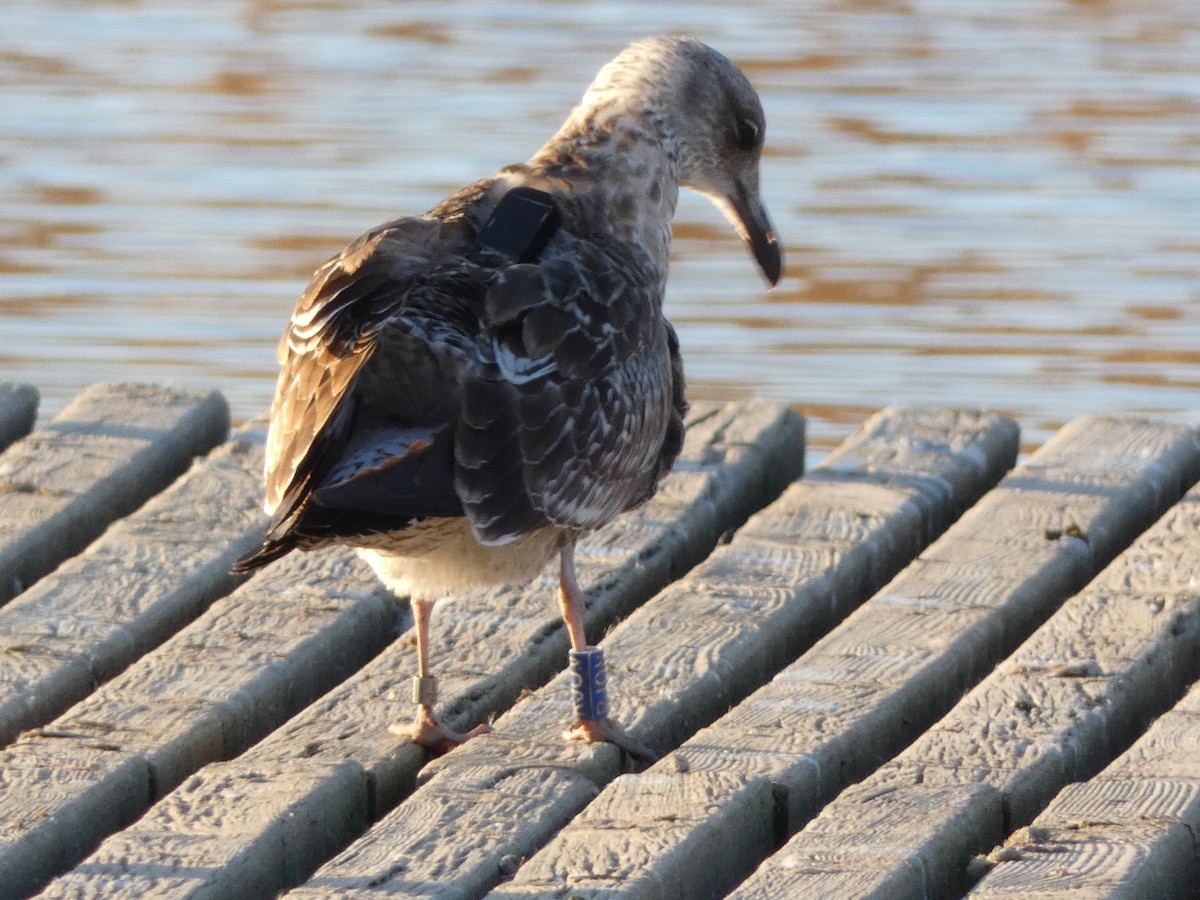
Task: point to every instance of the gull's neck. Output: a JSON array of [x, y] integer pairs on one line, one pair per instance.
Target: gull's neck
[[622, 165]]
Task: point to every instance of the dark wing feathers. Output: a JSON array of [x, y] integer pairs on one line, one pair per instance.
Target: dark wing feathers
[[488, 465], [423, 375], [576, 392], [332, 465], [330, 338], [673, 438], [390, 471]]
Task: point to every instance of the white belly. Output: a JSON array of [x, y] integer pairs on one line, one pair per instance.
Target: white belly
[[439, 557]]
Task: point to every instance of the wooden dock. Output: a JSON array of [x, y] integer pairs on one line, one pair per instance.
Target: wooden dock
[[908, 672]]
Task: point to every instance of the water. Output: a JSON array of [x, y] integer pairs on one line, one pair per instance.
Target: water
[[982, 204]]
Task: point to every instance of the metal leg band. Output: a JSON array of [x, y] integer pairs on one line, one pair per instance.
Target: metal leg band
[[588, 683], [424, 690]]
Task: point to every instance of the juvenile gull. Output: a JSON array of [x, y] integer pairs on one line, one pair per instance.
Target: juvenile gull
[[464, 393]]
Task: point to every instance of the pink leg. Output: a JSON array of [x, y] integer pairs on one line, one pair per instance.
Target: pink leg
[[570, 598], [426, 730], [573, 602]]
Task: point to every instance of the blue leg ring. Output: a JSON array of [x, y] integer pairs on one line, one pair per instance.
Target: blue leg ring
[[588, 683]]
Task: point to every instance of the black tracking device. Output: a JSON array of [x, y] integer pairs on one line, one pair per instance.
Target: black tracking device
[[521, 224]]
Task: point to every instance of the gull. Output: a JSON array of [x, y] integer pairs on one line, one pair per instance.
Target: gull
[[464, 393]]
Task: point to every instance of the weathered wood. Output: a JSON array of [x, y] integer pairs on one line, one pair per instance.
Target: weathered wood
[[1128, 838], [56, 795], [1130, 832], [145, 578], [487, 647], [906, 864], [99, 459], [253, 659], [889, 669], [18, 410], [691, 825], [680, 659], [1083, 684]]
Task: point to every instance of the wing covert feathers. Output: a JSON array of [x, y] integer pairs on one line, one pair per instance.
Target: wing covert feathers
[[423, 375]]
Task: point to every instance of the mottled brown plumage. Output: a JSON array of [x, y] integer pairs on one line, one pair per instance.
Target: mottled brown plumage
[[461, 400]]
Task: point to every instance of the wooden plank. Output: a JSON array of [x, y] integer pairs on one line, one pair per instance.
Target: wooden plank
[[1130, 831], [254, 658], [146, 577], [1108, 838], [103, 456], [859, 694], [1083, 684], [681, 659], [488, 647], [920, 857], [18, 410]]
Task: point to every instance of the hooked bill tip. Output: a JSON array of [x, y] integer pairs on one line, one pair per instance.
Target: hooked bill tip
[[768, 255]]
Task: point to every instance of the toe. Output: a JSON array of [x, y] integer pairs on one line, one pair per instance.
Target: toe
[[433, 736], [608, 731]]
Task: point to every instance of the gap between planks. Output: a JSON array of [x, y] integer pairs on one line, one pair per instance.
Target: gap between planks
[[1061, 705], [304, 624], [108, 452], [146, 577], [686, 655], [18, 410], [1131, 831]]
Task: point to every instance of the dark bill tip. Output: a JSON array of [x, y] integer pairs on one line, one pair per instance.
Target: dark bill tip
[[765, 247], [759, 236]]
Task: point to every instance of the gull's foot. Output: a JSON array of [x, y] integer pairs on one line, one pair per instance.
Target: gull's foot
[[606, 730], [426, 731]]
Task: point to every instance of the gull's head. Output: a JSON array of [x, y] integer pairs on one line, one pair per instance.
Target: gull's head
[[707, 109]]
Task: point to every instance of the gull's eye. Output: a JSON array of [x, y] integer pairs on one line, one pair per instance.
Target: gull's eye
[[745, 134]]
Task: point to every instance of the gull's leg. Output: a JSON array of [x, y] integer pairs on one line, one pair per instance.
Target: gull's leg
[[587, 670], [426, 730]]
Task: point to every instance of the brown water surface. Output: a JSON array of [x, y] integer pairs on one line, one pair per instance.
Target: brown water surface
[[990, 204]]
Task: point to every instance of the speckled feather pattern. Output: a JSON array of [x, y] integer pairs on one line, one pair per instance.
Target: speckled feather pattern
[[461, 415]]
